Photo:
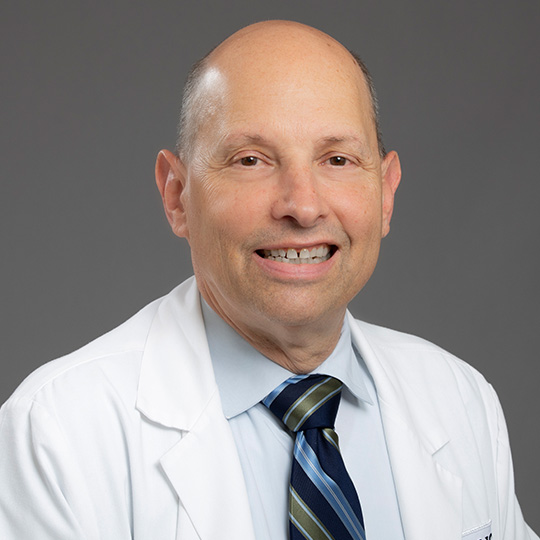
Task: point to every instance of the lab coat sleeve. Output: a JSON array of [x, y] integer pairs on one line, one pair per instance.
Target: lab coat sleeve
[[512, 523], [43, 494]]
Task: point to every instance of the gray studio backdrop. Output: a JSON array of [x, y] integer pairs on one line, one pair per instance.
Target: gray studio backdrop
[[89, 95]]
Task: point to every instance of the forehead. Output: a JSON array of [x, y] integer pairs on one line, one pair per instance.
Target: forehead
[[296, 88]]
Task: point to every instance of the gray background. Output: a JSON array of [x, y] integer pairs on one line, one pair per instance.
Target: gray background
[[90, 93]]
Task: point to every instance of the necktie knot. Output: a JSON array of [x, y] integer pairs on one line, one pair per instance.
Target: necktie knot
[[306, 402]]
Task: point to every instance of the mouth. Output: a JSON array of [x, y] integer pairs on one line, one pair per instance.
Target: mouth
[[289, 255]]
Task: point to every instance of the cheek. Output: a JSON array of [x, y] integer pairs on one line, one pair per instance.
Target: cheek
[[242, 208], [222, 214], [360, 211]]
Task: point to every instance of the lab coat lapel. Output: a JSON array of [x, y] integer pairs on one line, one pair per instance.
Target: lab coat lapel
[[177, 389], [205, 472], [429, 496]]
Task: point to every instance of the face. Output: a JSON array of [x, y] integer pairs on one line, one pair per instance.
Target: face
[[284, 200]]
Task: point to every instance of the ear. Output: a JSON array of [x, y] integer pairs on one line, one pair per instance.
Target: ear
[[171, 181], [391, 176]]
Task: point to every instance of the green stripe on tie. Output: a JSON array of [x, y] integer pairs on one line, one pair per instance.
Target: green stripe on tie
[[332, 437], [307, 519], [311, 399]]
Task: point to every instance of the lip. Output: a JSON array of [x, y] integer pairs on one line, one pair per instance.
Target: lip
[[297, 272]]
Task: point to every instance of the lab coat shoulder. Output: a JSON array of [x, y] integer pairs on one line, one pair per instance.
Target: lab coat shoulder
[[411, 360], [440, 414], [108, 441], [63, 435], [121, 342]]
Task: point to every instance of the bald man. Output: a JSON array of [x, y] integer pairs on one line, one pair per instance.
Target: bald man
[[165, 427]]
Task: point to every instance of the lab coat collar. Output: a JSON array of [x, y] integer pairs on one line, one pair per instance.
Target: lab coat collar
[[177, 389], [429, 496], [176, 381]]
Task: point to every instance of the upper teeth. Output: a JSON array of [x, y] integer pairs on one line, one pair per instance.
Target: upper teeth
[[303, 256]]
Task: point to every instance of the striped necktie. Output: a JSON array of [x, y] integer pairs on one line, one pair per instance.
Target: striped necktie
[[323, 504]]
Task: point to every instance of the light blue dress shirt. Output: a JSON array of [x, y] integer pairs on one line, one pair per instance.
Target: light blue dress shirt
[[244, 377]]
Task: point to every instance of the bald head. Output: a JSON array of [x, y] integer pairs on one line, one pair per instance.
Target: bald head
[[274, 55]]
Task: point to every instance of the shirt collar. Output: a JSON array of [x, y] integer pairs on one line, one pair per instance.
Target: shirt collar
[[245, 376]]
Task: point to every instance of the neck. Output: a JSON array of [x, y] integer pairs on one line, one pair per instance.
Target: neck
[[299, 351], [299, 348]]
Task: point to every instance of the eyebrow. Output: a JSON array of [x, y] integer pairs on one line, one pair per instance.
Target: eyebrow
[[240, 139], [230, 142], [244, 138], [360, 144], [342, 139]]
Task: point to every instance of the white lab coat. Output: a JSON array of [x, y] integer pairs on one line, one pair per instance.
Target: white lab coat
[[125, 438]]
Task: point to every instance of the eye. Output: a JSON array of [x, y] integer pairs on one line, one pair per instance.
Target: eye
[[338, 161], [249, 161]]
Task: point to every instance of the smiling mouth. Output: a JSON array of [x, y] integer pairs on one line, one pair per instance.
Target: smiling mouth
[[314, 255]]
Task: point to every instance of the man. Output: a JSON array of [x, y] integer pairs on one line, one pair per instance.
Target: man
[[284, 191]]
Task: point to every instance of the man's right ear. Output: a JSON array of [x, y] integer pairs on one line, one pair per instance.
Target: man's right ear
[[171, 181]]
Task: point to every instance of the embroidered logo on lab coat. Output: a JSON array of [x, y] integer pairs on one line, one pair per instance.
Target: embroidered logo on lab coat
[[479, 533]]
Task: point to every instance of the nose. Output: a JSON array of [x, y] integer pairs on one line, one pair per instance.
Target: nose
[[299, 197]]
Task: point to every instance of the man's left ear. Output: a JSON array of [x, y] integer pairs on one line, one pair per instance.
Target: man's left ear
[[171, 181], [391, 176]]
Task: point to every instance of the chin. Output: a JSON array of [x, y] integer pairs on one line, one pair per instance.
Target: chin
[[295, 312]]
